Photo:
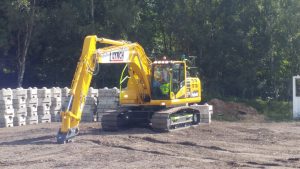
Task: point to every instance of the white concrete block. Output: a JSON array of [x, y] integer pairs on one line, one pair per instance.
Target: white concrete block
[[31, 112], [32, 107], [32, 93], [100, 110], [44, 112], [56, 101], [99, 117], [204, 108], [55, 115], [32, 120], [32, 101], [91, 101], [88, 109], [19, 106], [19, 120], [5, 116], [21, 109], [5, 107], [19, 100], [104, 92], [107, 106], [44, 104], [6, 93], [205, 115], [108, 92], [7, 112], [205, 112], [19, 93], [44, 118], [108, 100], [65, 92], [55, 112], [6, 100], [115, 91], [55, 118], [44, 100], [6, 121], [44, 93], [19, 112], [57, 108], [92, 92], [55, 92], [43, 108]]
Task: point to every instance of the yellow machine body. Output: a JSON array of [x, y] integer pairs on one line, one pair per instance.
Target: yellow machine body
[[140, 71]]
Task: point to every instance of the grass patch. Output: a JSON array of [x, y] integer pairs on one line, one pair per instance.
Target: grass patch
[[225, 117], [272, 109]]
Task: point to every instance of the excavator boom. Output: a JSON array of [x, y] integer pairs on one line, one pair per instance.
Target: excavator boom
[[118, 52]]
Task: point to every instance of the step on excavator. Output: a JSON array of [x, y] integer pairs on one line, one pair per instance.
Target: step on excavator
[[158, 94]]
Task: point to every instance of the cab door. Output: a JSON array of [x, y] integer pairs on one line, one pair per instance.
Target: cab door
[[161, 81], [178, 88]]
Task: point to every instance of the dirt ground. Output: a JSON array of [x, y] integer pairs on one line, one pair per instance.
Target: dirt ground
[[218, 145]]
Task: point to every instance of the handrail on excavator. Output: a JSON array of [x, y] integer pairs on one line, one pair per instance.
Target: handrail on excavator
[[111, 42]]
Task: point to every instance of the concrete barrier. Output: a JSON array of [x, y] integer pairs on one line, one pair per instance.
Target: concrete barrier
[[6, 108], [90, 107], [206, 112], [19, 105], [32, 104], [108, 99], [44, 103]]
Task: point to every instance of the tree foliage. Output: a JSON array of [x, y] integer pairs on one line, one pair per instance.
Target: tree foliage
[[244, 48]]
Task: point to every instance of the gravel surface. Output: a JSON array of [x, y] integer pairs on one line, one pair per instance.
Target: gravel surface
[[218, 145]]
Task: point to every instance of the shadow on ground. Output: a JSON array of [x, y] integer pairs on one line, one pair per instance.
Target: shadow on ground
[[32, 141]]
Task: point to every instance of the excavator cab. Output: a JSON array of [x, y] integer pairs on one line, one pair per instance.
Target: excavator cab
[[168, 80]]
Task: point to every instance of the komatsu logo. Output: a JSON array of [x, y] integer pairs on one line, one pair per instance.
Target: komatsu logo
[[117, 56]]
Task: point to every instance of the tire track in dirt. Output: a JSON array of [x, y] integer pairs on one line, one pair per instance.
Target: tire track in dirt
[[128, 148], [177, 156], [231, 163], [184, 143], [263, 164], [22, 163]]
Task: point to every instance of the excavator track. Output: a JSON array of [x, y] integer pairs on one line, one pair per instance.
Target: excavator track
[[114, 120], [175, 118], [164, 120]]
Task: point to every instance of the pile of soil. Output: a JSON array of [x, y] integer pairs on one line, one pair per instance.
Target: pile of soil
[[233, 111]]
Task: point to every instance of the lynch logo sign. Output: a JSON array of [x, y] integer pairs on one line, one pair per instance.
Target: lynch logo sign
[[117, 56], [120, 55]]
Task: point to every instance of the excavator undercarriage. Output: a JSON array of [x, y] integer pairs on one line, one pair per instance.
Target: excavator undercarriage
[[158, 118]]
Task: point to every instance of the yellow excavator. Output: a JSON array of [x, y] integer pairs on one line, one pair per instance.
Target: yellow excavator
[[158, 94]]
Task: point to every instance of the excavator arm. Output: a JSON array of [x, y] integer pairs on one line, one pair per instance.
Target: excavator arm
[[139, 69]]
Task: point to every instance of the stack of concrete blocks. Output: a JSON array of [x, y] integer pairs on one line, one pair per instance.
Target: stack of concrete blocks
[[90, 107], [19, 105], [6, 108], [206, 112], [44, 103], [56, 103], [108, 99], [65, 97], [32, 104]]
